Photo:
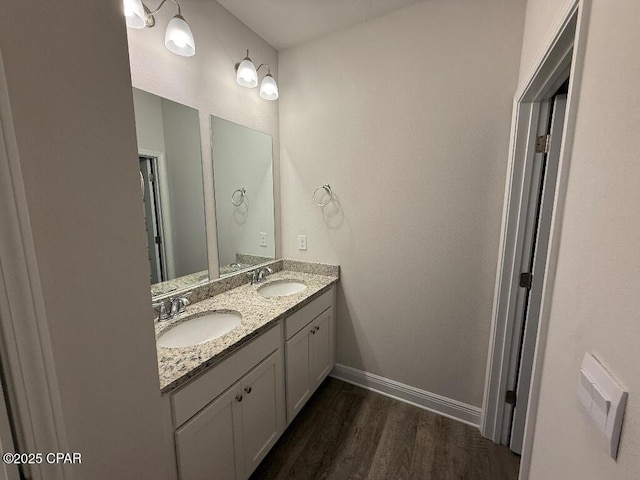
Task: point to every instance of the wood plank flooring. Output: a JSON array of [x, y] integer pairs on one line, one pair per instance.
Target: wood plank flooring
[[346, 432]]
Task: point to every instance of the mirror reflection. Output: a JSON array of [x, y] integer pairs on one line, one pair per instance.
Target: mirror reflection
[[170, 159], [243, 177]]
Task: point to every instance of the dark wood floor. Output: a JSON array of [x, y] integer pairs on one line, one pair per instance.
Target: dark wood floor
[[348, 432]]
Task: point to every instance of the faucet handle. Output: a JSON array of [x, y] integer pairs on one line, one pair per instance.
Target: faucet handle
[[163, 312], [253, 276]]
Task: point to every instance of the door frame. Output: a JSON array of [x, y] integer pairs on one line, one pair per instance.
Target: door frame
[[25, 343], [563, 52], [165, 208]]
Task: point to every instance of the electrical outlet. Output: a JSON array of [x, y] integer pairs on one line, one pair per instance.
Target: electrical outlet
[[302, 242], [263, 239]]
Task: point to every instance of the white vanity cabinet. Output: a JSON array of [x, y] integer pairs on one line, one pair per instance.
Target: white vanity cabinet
[[227, 420], [309, 350]]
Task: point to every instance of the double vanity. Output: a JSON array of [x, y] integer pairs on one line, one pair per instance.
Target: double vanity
[[237, 367]]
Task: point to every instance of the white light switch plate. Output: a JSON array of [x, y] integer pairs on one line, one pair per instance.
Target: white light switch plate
[[302, 242], [604, 399], [263, 239]]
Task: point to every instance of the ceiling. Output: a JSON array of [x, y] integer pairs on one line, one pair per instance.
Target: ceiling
[[285, 23]]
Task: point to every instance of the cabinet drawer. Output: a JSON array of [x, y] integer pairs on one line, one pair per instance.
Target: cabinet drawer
[[199, 392], [302, 317]]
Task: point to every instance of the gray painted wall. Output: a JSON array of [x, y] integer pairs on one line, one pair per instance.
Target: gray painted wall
[[408, 118]]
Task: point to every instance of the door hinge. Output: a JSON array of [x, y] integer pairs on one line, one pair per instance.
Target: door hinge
[[158, 240], [542, 143], [152, 177], [510, 397], [526, 280]]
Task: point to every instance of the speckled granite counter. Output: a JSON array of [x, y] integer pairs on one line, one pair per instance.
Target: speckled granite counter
[[178, 365]]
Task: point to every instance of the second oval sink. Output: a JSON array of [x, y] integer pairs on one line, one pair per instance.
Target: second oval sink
[[281, 288], [199, 329]]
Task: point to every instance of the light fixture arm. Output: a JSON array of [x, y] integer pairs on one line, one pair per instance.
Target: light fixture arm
[[151, 21], [264, 65]]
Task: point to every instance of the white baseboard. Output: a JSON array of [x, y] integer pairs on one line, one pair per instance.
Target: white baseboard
[[444, 406]]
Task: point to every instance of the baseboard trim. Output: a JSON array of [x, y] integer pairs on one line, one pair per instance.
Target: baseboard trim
[[444, 406]]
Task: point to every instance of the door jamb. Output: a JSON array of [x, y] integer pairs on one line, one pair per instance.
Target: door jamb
[[27, 353], [564, 48]]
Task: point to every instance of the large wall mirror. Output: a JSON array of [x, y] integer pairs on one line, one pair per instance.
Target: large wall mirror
[[170, 157], [243, 178]]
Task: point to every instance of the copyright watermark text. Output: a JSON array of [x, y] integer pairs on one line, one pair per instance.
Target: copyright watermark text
[[39, 458]]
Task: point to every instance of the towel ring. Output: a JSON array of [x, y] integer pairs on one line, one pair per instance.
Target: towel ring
[[240, 198], [327, 188]]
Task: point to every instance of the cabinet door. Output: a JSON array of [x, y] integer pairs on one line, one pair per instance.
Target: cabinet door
[[209, 446], [322, 348], [262, 409], [299, 386]]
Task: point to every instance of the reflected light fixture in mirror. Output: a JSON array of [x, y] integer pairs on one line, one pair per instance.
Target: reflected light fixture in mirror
[[178, 37], [247, 76]]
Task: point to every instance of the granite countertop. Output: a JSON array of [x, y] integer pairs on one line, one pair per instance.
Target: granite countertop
[[178, 365]]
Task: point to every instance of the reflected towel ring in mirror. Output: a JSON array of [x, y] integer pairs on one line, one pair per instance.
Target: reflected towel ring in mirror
[[316, 199], [237, 197]]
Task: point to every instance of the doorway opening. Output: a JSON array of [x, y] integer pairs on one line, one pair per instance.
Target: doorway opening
[[150, 184], [542, 134]]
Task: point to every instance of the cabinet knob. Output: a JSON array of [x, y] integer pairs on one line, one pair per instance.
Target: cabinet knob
[[313, 332], [247, 389], [239, 397], [317, 328]]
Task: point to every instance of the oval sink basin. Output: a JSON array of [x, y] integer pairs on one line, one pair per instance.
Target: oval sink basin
[[199, 329], [281, 288]]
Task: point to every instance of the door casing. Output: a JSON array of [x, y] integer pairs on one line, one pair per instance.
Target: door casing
[[562, 56]]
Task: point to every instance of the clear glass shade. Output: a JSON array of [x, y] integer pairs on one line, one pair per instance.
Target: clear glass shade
[[269, 88], [134, 13], [178, 37], [247, 76]]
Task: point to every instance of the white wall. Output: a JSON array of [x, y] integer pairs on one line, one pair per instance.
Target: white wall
[[595, 299], [184, 169], [206, 82], [70, 95], [407, 117], [242, 158], [149, 125]]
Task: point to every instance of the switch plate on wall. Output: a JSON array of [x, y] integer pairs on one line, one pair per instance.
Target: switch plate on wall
[[263, 239], [602, 397], [302, 242]]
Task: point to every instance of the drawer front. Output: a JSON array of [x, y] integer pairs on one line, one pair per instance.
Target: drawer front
[[295, 322], [199, 392]]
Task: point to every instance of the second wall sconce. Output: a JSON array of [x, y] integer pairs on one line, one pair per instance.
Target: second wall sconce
[[247, 76], [178, 37]]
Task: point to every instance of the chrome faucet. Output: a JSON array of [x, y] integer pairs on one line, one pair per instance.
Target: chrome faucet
[[179, 304], [169, 308], [263, 272], [259, 274]]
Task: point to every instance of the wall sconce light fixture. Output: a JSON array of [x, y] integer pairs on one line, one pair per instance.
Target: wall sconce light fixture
[[247, 76], [178, 37]]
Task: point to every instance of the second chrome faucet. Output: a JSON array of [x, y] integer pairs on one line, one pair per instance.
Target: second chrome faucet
[[259, 274], [171, 307]]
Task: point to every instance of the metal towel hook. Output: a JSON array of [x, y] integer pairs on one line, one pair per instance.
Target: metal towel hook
[[327, 188], [238, 200]]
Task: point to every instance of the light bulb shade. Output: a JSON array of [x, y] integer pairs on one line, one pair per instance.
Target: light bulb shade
[[178, 37], [134, 13], [247, 76], [269, 88]]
